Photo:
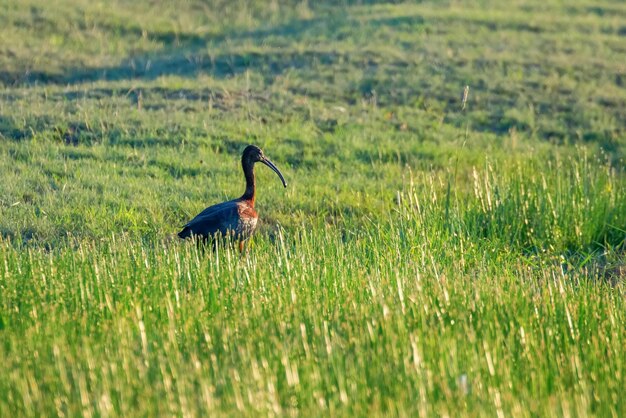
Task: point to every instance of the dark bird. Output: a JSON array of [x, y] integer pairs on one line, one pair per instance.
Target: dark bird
[[236, 217]]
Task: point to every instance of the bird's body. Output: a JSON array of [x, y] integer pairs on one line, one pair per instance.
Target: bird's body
[[235, 218]]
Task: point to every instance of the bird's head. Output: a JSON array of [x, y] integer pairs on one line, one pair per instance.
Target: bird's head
[[253, 154]]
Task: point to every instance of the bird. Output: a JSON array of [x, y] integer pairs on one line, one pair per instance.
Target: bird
[[236, 218]]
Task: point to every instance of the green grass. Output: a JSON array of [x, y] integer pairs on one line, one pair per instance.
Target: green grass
[[425, 260]]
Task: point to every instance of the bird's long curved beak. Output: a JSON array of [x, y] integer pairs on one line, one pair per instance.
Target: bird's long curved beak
[[271, 165]]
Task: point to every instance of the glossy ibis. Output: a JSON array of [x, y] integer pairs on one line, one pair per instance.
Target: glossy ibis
[[236, 217]]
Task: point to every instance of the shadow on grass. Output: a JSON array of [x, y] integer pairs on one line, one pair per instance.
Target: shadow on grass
[[186, 54], [10, 130], [190, 65], [189, 54]]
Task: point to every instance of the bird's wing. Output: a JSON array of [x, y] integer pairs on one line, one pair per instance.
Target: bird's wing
[[221, 217], [216, 208]]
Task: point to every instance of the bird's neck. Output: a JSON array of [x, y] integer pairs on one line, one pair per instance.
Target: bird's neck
[[248, 171]]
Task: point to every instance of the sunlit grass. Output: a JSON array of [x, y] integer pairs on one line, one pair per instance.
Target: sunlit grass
[[432, 255], [406, 315]]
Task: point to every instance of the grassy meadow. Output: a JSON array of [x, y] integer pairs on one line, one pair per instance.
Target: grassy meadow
[[430, 256]]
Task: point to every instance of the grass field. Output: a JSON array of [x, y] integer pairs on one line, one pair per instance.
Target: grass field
[[428, 258]]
